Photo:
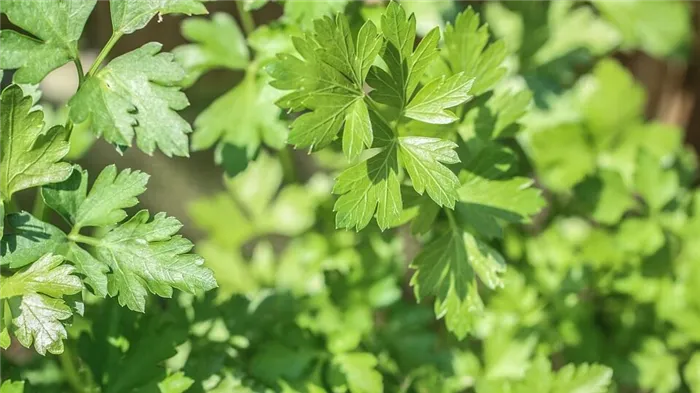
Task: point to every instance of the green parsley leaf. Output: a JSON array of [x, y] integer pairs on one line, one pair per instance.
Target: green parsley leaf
[[445, 269], [129, 16], [305, 13], [136, 94], [560, 169], [584, 378], [12, 387], [372, 185], [29, 157], [329, 81], [131, 257], [422, 158], [429, 104], [95, 272], [360, 372], [218, 43], [641, 24], [467, 52], [55, 28], [35, 295], [658, 367], [498, 116], [605, 197], [656, 184], [146, 254], [175, 383], [489, 193], [104, 205], [691, 372], [28, 239], [256, 120], [357, 132], [405, 66], [256, 204], [612, 86]]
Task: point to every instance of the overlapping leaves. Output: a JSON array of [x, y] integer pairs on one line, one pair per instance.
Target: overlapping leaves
[[132, 258], [329, 80]]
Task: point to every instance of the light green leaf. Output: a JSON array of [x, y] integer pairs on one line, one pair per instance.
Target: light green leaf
[[109, 196], [657, 367], [583, 378], [655, 183], [574, 28], [691, 372], [146, 254], [611, 86], [357, 133], [12, 387], [561, 169], [255, 120], [218, 43], [136, 94], [360, 372], [605, 197], [467, 52], [37, 305], [423, 159], [488, 196], [329, 80], [498, 116], [254, 205], [642, 24], [304, 13], [368, 187], [442, 270], [29, 157], [28, 239], [95, 272], [175, 383], [398, 29], [395, 85], [129, 16], [430, 103], [55, 28]]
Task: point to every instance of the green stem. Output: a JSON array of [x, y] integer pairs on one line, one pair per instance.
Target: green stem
[[70, 371], [104, 52], [39, 208], [451, 218], [78, 238], [246, 18], [81, 73], [11, 206], [288, 168]]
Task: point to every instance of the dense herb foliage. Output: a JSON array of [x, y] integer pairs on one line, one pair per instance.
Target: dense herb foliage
[[483, 207]]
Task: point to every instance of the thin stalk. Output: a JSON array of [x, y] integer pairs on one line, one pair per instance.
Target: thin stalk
[[246, 18], [70, 371], [288, 168], [81, 73], [451, 218], [39, 208], [78, 238], [104, 52], [69, 128]]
